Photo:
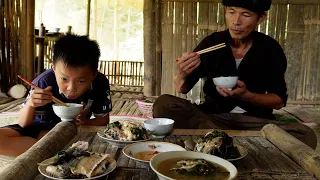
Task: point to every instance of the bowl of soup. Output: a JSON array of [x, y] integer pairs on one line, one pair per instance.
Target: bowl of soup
[[67, 113], [226, 82], [189, 165], [159, 126], [142, 152]]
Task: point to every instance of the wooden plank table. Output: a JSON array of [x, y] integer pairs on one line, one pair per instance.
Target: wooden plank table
[[264, 160]]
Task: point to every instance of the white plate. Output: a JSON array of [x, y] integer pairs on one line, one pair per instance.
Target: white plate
[[114, 118], [156, 160], [243, 152], [132, 149], [120, 144], [111, 167]]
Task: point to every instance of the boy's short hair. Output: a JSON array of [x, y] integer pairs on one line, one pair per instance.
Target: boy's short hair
[[76, 51]]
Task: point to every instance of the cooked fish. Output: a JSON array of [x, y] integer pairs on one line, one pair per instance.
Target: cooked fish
[[126, 131], [217, 143], [59, 171], [195, 166], [92, 165]]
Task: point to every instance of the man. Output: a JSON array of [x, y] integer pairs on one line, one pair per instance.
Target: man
[[258, 61]]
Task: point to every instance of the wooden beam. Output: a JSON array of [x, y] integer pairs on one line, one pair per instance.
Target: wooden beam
[[304, 102], [30, 39], [301, 2], [205, 131], [149, 23], [301, 153], [88, 17], [158, 59]]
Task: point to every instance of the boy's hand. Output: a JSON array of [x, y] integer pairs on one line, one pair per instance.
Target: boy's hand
[[40, 97], [83, 115]]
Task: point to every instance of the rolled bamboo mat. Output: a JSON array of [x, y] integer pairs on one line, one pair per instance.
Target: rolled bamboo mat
[[25, 166], [301, 153]]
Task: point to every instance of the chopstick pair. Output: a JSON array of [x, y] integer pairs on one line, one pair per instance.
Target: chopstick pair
[[212, 48], [54, 99]]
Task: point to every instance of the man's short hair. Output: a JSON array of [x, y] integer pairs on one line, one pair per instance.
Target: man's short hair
[[76, 51], [258, 6]]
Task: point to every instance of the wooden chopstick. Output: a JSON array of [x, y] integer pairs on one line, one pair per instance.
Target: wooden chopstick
[[212, 48], [54, 99]]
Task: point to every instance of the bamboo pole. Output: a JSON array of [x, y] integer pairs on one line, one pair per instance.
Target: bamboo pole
[[149, 16], [2, 46], [41, 39], [158, 60], [25, 166], [88, 17], [18, 40], [23, 35], [302, 154], [30, 39]]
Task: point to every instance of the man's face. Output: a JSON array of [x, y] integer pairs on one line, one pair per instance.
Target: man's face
[[73, 82], [241, 22]]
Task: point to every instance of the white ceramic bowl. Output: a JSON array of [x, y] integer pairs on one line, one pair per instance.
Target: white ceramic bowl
[[67, 113], [156, 160], [131, 149], [226, 82], [160, 126]]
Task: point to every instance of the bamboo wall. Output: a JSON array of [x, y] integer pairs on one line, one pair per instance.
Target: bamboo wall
[[10, 17], [295, 26]]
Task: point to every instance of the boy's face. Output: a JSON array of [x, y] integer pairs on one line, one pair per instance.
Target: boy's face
[[73, 82]]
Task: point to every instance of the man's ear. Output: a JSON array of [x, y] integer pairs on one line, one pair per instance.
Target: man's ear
[[262, 17], [52, 66]]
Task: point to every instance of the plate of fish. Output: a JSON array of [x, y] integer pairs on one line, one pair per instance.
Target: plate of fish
[[217, 143], [121, 133], [77, 163]]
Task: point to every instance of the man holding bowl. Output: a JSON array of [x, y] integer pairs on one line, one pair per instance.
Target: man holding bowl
[[255, 58]]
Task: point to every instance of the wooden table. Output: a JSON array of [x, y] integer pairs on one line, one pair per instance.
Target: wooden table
[[264, 160]]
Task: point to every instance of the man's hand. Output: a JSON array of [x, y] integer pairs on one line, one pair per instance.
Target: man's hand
[[187, 63], [239, 92], [40, 97]]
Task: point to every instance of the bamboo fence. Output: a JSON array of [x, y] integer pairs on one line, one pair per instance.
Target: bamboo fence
[[10, 62], [126, 73]]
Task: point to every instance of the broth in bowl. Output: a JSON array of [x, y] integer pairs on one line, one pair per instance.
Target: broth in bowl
[[182, 168], [145, 155]]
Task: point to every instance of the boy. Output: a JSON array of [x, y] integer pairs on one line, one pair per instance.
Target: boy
[[74, 78]]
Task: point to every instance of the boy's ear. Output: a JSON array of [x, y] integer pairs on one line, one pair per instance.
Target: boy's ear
[[52, 66], [95, 74]]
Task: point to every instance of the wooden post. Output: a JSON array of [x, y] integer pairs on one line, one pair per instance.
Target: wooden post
[[69, 30], [25, 166], [23, 35], [30, 39], [149, 16], [302, 154], [88, 17], [41, 39], [158, 60]]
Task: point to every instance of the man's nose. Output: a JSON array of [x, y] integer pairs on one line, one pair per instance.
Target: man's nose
[[236, 20]]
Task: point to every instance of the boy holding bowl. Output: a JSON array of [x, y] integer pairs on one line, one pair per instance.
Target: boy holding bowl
[[74, 78]]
